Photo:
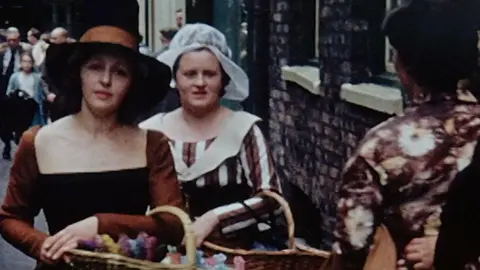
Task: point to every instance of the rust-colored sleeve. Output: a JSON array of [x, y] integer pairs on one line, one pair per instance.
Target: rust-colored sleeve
[[164, 190], [21, 202]]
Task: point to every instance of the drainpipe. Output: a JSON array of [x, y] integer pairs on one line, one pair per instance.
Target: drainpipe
[[258, 58]]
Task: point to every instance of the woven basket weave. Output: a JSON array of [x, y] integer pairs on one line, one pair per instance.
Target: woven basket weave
[[289, 259], [87, 260]]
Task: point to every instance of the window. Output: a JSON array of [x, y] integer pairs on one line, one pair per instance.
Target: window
[[390, 4], [304, 20]]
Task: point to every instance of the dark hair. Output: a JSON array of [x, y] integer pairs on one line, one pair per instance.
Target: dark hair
[[436, 42], [168, 32], [179, 10], [45, 36], [27, 53], [35, 33], [70, 96], [225, 78]]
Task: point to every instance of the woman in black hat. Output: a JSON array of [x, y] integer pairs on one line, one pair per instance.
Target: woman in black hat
[[400, 174], [94, 171]]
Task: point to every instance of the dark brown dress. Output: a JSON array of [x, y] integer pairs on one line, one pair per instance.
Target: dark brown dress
[[119, 199]]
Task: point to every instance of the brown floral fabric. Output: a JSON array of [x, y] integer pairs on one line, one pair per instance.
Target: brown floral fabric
[[401, 172]]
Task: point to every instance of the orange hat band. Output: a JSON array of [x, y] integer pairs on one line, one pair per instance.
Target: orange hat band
[[110, 34]]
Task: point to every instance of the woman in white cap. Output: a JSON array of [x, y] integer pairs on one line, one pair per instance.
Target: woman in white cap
[[221, 157], [202, 34]]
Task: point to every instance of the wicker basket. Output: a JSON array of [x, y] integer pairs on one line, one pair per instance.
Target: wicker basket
[[87, 260], [288, 259]]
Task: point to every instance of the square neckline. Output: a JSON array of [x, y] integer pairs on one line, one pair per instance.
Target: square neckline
[[150, 141], [91, 173]]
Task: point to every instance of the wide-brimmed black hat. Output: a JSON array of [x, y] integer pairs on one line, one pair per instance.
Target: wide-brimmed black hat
[[109, 26], [438, 37]]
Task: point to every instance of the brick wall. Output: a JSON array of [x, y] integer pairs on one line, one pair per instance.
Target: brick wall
[[312, 136]]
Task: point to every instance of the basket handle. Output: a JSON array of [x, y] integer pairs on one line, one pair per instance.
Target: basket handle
[[190, 244], [288, 216]]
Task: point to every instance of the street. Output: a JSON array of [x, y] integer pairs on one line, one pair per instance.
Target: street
[[10, 258]]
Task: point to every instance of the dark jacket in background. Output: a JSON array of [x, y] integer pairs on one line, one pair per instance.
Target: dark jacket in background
[[4, 78], [458, 242]]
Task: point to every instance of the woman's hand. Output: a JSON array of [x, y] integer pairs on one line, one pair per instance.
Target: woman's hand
[[51, 97], [54, 247], [421, 252], [84, 229], [203, 226]]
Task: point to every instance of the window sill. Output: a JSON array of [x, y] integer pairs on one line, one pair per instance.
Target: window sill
[[386, 79], [307, 77], [386, 99], [374, 96]]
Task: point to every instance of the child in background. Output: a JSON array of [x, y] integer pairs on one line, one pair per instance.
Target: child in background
[[25, 95]]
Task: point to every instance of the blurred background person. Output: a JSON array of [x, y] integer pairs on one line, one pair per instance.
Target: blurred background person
[[166, 36], [25, 46], [53, 110], [59, 35], [3, 35], [45, 37], [179, 18], [143, 48], [25, 97], [39, 46], [10, 60]]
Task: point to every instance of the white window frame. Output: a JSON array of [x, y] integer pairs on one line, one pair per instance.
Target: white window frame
[[389, 66]]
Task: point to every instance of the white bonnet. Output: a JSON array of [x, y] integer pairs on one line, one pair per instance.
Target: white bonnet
[[199, 35]]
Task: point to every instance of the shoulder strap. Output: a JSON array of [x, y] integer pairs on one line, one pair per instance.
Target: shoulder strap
[[227, 144]]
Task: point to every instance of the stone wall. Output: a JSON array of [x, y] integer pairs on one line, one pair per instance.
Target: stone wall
[[312, 135]]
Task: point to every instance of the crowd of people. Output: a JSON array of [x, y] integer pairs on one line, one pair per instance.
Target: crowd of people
[[107, 158], [23, 70], [21, 82]]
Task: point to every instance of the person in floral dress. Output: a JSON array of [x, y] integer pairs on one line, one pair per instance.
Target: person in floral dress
[[400, 173]]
